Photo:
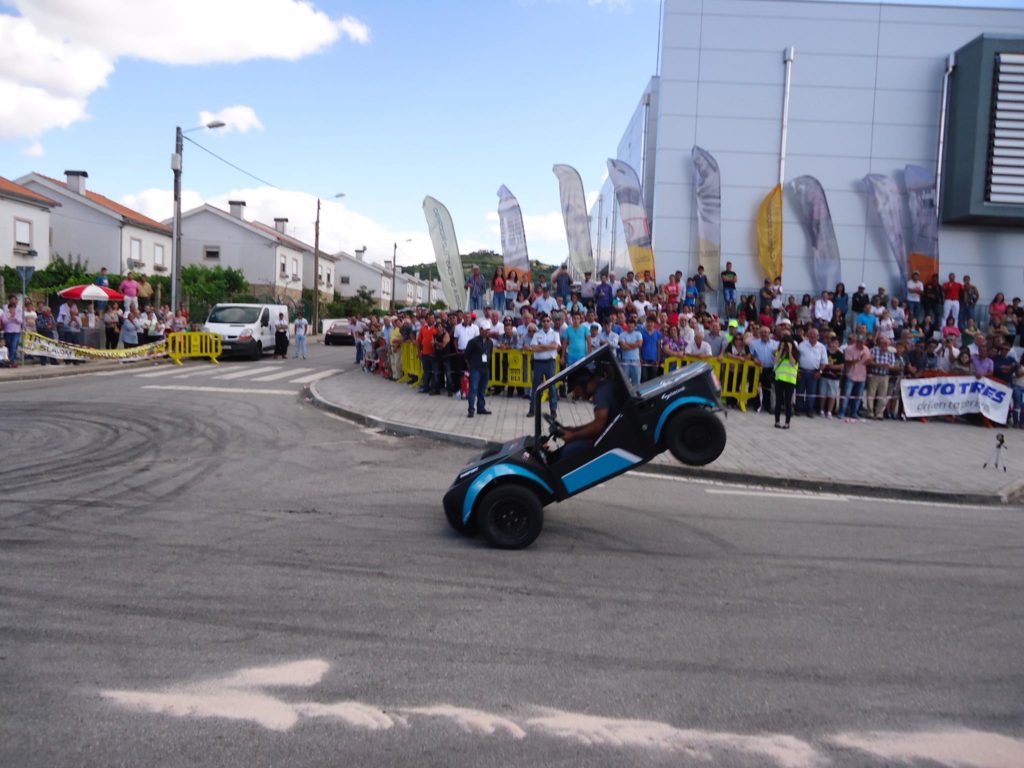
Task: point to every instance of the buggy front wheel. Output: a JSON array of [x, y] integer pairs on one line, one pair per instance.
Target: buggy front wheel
[[695, 437], [510, 516]]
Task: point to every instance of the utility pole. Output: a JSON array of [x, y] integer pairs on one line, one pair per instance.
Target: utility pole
[[316, 271], [176, 245], [394, 261]]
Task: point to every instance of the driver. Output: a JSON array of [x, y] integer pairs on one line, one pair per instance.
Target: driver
[[585, 384]]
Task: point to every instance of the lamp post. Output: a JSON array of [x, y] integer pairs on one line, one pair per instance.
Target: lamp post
[[394, 265], [179, 145], [316, 268]]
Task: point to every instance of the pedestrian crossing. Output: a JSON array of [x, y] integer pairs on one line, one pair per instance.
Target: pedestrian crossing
[[243, 378]]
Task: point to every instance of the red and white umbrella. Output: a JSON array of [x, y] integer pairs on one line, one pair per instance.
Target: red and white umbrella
[[91, 292]]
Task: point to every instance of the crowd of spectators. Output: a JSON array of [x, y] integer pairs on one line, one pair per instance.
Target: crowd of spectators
[[837, 355]]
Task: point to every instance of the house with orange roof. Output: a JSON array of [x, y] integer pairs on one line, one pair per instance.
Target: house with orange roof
[[99, 231], [272, 261], [24, 226]]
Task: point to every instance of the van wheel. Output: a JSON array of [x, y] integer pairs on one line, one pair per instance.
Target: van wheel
[[695, 437], [510, 516], [258, 354]]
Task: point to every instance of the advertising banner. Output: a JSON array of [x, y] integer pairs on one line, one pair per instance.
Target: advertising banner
[[924, 222], [956, 395], [513, 237], [574, 214], [634, 216], [769, 233], [446, 252], [43, 346], [886, 199], [818, 220], [707, 189]]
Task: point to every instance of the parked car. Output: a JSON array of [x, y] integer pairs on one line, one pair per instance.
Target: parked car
[[245, 329], [340, 332], [503, 492]]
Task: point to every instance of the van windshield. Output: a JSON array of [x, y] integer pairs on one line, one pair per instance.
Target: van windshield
[[231, 314]]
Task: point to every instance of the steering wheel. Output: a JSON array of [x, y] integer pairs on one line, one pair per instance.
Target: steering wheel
[[556, 429]]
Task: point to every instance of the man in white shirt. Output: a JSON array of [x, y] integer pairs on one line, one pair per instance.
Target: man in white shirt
[[698, 347], [823, 310], [545, 345], [545, 303], [914, 290], [813, 359], [465, 331]]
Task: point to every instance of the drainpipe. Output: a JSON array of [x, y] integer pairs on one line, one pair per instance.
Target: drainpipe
[[943, 107]]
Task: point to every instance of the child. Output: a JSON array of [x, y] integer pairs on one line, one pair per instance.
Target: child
[[5, 360]]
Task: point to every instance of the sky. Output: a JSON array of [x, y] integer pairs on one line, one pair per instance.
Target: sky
[[384, 102]]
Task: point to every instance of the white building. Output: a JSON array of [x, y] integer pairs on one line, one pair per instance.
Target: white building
[[100, 232], [354, 272], [867, 81], [271, 261], [24, 226]]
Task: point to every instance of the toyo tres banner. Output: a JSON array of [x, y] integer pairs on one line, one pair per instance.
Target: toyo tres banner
[[635, 224], [513, 237], [446, 253], [956, 395], [574, 214]]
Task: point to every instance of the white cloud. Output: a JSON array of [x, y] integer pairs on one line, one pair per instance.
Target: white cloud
[[237, 118], [58, 52], [35, 149]]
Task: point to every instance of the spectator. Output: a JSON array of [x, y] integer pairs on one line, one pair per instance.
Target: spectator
[[915, 288], [46, 326], [544, 344], [932, 297], [997, 309], [715, 339], [831, 377], [575, 340], [130, 288], [951, 290], [950, 329], [1004, 365], [1018, 397], [981, 363], [729, 278], [962, 365], [823, 310], [477, 286], [883, 363], [425, 345], [630, 342], [111, 325], [838, 324], [855, 360], [860, 299], [562, 282], [650, 350], [805, 313], [479, 354], [544, 304], [511, 291], [945, 354], [765, 296], [968, 301], [785, 381], [498, 290], [5, 359], [11, 320], [698, 347], [763, 349], [841, 299], [813, 357]]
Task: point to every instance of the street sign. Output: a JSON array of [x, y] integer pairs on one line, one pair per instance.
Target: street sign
[[26, 277]]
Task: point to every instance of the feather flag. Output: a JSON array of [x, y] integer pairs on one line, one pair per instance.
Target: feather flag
[[574, 214], [822, 234], [885, 197], [446, 252], [513, 237], [707, 189], [769, 233], [635, 224], [924, 220]]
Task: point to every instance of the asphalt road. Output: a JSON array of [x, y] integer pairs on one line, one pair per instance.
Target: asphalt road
[[215, 573]]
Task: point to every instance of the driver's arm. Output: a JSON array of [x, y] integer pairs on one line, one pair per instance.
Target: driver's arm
[[589, 431]]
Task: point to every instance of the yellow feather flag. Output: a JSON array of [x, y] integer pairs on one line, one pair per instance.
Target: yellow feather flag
[[769, 233]]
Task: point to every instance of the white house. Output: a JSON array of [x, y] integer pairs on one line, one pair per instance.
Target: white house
[[24, 226], [327, 269], [271, 261], [354, 272], [98, 231]]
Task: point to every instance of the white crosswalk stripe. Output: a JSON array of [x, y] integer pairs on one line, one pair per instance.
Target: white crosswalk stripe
[[283, 374], [167, 370], [209, 370], [313, 377], [254, 371]]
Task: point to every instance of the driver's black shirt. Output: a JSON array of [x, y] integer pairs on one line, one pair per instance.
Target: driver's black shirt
[[604, 398]]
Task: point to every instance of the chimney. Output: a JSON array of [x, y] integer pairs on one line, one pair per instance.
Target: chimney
[[387, 265], [237, 208], [279, 224], [76, 181]]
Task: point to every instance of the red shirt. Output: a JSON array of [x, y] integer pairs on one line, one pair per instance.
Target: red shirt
[[672, 291], [952, 290], [426, 339]]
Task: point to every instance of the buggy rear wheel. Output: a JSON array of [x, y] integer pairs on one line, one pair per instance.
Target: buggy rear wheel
[[510, 516], [695, 437]]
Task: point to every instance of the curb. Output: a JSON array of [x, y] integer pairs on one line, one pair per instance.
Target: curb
[[1010, 493], [37, 372]]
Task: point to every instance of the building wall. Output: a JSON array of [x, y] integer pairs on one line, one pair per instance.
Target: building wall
[[81, 231], [40, 220], [327, 267], [239, 249], [865, 99], [360, 273], [148, 239]]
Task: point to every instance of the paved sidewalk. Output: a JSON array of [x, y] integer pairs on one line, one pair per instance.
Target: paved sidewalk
[[936, 461]]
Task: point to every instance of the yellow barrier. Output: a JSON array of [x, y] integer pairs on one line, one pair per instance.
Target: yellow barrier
[[740, 379], [511, 368], [194, 344]]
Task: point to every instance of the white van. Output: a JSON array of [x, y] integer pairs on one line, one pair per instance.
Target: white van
[[245, 329]]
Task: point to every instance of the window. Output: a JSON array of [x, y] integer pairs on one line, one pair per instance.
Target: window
[[343, 279], [385, 287], [295, 267], [158, 255], [327, 281], [211, 252], [23, 233], [135, 250], [284, 267]]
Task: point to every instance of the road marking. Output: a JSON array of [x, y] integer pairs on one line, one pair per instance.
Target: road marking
[[225, 390], [241, 374], [166, 371], [283, 374], [200, 371], [314, 377]]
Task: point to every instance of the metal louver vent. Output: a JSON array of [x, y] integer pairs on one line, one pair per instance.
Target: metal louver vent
[[1005, 178]]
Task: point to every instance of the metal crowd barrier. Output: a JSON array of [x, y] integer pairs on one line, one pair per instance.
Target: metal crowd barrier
[[740, 379], [194, 344]]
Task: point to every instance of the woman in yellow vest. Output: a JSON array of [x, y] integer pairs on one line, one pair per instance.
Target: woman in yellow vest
[[786, 368]]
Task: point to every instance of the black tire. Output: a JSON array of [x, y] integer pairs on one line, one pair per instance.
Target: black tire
[[695, 437], [258, 354], [510, 516]]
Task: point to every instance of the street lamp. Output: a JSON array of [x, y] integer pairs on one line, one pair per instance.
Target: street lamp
[[394, 264], [316, 267], [176, 237]]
